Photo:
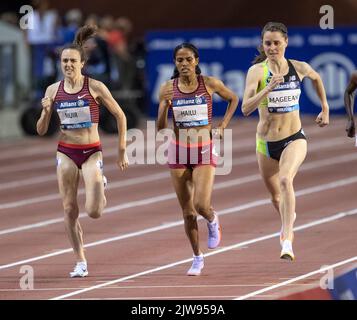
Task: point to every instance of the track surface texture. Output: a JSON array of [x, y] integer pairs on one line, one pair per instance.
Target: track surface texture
[[138, 248]]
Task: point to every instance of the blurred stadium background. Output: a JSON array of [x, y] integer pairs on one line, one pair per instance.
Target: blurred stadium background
[[132, 53]]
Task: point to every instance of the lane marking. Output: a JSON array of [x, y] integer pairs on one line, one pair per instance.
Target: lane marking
[[81, 191], [169, 196], [235, 209], [139, 180], [304, 276], [218, 251]]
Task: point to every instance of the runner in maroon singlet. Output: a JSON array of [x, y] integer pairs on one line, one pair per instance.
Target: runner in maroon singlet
[[76, 100], [191, 153]]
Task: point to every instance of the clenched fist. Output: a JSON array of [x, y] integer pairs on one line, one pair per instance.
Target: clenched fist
[[47, 103], [275, 81]]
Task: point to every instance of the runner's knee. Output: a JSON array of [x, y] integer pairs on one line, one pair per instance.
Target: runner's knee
[[285, 182], [189, 215], [203, 209], [94, 213]]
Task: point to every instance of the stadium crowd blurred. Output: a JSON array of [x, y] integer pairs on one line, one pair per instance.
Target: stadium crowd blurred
[[114, 56]]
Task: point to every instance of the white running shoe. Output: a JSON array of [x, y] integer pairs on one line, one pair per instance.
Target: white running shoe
[[281, 231], [287, 251], [197, 266], [80, 270], [105, 182], [214, 233]]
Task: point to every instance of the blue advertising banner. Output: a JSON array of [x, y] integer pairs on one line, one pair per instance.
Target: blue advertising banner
[[345, 286], [227, 55]]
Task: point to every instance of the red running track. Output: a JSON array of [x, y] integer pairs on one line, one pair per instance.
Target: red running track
[[138, 249]]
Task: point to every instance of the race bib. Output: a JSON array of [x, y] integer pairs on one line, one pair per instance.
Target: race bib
[[284, 98], [74, 114], [191, 112]]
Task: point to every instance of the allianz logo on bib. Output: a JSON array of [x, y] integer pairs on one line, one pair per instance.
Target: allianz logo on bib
[[184, 102], [70, 104], [67, 104], [293, 85], [288, 85], [197, 100]]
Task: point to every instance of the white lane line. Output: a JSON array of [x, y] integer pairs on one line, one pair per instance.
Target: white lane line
[[150, 200], [6, 185], [186, 286], [119, 184], [81, 191], [21, 167], [31, 151], [37, 289], [236, 209], [304, 276], [29, 181], [217, 251]]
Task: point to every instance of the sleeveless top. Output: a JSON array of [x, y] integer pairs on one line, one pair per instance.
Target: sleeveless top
[[192, 109], [285, 96], [76, 110]]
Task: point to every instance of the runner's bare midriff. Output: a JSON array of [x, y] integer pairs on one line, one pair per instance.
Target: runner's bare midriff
[[80, 136], [193, 135], [275, 127]]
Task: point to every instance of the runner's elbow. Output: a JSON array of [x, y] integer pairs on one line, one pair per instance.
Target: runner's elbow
[[41, 132]]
